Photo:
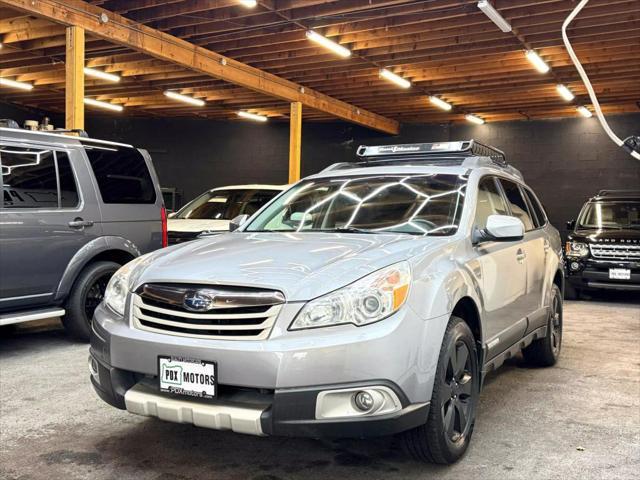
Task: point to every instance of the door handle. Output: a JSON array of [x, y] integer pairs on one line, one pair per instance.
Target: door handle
[[520, 255], [78, 223]]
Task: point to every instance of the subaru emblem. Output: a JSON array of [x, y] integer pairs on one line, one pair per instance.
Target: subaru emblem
[[198, 301]]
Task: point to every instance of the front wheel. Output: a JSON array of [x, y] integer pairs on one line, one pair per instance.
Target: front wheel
[[445, 436], [545, 351], [85, 296]]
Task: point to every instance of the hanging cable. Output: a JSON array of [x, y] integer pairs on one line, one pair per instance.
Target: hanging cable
[[630, 144]]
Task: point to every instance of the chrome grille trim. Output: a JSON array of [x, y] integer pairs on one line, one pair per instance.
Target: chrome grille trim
[[617, 252], [229, 324]]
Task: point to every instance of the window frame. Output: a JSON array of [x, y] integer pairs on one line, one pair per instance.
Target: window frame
[[54, 149], [96, 181], [501, 192], [528, 194], [524, 197]]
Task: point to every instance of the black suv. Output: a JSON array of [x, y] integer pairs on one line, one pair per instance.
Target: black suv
[[603, 246]]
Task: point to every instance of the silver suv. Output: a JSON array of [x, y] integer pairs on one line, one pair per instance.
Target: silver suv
[[369, 299], [73, 210]]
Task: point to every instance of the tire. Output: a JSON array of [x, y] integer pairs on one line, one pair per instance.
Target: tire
[[545, 351], [87, 292], [570, 292], [443, 438]]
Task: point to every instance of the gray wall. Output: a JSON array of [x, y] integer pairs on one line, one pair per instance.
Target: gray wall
[[565, 161]]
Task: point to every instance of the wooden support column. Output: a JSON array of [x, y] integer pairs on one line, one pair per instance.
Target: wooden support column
[[74, 84], [295, 141]]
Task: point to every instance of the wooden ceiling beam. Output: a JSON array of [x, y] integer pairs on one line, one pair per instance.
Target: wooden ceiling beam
[[166, 47]]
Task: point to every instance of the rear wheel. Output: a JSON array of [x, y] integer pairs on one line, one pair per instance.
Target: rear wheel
[[545, 351], [446, 435], [85, 296]]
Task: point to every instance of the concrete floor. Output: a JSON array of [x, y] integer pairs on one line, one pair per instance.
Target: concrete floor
[[580, 419]]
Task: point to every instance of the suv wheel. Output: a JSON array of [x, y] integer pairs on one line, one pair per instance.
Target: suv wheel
[[545, 352], [85, 296], [446, 435]]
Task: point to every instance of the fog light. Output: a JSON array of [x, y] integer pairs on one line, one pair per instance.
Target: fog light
[[575, 266], [363, 401], [93, 368]]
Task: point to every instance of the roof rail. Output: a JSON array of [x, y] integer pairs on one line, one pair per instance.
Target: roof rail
[[463, 148], [604, 193]]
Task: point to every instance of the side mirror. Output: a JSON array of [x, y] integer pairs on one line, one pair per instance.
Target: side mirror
[[500, 228], [237, 222], [571, 224]]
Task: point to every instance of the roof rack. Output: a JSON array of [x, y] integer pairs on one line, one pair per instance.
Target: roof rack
[[10, 123], [457, 149], [615, 193]]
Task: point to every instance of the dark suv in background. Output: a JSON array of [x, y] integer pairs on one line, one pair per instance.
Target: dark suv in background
[[72, 211], [603, 246]]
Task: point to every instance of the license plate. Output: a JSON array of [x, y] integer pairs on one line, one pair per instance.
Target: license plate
[[619, 274], [187, 376]]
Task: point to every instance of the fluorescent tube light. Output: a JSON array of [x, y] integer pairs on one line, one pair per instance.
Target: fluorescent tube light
[[584, 111], [494, 15], [92, 72], [249, 3], [252, 116], [536, 61], [105, 105], [328, 44], [397, 79], [13, 84], [565, 92], [184, 98], [438, 102], [474, 119]]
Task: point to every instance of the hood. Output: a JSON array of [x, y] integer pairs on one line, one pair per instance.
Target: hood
[[192, 225], [625, 235], [302, 266]]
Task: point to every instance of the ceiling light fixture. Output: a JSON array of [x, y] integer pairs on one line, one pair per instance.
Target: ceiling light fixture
[[474, 119], [92, 72], [397, 79], [565, 92], [328, 44], [105, 105], [438, 102], [248, 3], [13, 84], [252, 116], [584, 111], [184, 98], [494, 15], [536, 61]]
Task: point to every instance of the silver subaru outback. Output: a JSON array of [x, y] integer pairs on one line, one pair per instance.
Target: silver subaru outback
[[369, 299]]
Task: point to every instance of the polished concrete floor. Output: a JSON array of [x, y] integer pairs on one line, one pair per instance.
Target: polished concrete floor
[[580, 419]]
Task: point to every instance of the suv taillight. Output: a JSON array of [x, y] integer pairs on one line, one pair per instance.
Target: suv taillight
[[163, 218]]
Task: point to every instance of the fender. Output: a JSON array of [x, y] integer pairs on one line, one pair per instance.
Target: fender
[[89, 252]]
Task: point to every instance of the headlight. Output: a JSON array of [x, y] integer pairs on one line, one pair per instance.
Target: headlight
[[576, 249], [115, 296], [365, 301]]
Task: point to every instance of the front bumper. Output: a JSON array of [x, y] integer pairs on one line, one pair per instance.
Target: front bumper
[[283, 412], [271, 387], [594, 274]]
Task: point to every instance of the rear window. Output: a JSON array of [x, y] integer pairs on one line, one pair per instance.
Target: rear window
[[122, 174]]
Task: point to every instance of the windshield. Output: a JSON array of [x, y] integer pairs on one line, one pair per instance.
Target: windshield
[[615, 215], [413, 204], [225, 204]]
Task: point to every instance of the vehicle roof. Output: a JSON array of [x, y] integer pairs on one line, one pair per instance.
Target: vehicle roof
[[616, 195], [254, 186], [53, 137], [403, 168]]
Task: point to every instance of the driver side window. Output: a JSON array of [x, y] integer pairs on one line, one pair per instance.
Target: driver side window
[[490, 202]]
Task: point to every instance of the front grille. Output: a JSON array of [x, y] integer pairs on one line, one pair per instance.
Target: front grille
[[236, 314], [615, 252]]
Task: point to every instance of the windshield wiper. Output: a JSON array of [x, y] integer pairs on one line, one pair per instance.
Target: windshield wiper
[[348, 230]]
